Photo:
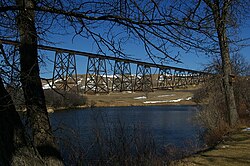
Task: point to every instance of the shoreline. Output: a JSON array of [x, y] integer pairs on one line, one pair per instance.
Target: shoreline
[[101, 105], [118, 104]]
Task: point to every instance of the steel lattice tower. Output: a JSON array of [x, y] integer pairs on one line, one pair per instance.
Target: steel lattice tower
[[96, 76], [143, 79], [180, 78], [122, 79], [64, 73], [165, 78]]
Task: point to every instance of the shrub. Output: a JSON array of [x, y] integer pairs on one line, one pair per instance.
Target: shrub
[[53, 98], [213, 121], [119, 144], [59, 98], [213, 112], [242, 97], [213, 115]]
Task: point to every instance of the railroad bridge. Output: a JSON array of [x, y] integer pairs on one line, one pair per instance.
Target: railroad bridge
[[122, 79]]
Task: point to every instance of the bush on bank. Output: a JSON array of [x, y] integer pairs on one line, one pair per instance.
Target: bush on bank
[[213, 114], [53, 98], [59, 98]]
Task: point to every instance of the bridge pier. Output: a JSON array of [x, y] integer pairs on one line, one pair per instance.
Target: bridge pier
[[189, 78], [165, 78], [127, 80], [179, 79], [117, 76], [196, 78], [202, 78], [143, 80], [96, 76], [122, 79], [64, 73]]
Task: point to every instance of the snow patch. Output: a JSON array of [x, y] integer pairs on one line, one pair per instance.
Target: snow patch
[[82, 87], [141, 97], [167, 101], [246, 129], [166, 95], [127, 92], [48, 86], [80, 81], [57, 80], [188, 98], [162, 101]]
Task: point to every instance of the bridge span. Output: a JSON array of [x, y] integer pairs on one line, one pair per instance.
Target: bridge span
[[96, 76]]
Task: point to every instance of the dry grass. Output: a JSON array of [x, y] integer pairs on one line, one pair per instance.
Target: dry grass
[[127, 98], [234, 151]]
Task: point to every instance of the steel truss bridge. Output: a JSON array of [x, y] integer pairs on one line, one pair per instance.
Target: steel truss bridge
[[96, 78]]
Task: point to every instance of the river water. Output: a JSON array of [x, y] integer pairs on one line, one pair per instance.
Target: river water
[[166, 125]]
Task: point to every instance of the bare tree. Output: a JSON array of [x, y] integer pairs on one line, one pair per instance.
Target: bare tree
[[212, 23], [240, 66], [31, 83]]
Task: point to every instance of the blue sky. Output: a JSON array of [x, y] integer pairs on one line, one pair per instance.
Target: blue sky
[[190, 60]]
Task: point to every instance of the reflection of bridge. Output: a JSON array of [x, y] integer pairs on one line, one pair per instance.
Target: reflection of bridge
[[96, 78]]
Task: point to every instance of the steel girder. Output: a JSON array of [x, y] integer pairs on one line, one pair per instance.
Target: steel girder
[[172, 78], [184, 78], [143, 79], [96, 77], [194, 78], [64, 73], [122, 79]]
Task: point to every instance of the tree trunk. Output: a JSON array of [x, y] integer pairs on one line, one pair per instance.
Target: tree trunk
[[14, 149], [228, 87], [32, 86], [220, 23]]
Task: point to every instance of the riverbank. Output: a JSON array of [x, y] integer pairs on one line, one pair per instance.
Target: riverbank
[[233, 151], [128, 98]]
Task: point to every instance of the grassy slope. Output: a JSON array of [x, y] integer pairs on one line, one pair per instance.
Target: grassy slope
[[127, 99]]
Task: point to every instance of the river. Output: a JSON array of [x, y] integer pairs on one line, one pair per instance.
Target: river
[[165, 125]]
